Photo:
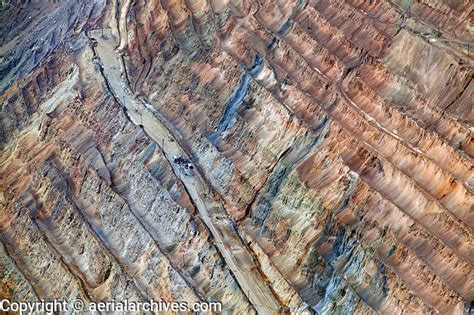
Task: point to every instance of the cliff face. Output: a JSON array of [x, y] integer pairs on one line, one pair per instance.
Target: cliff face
[[331, 147]]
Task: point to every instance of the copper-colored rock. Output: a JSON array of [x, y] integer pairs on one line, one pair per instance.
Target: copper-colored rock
[[274, 156]]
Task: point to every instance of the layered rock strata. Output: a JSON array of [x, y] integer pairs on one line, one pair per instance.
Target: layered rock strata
[[331, 143]]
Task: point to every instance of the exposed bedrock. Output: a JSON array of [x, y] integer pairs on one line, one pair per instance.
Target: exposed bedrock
[[330, 145]]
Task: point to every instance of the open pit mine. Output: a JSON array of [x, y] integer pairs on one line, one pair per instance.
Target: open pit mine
[[237, 156]]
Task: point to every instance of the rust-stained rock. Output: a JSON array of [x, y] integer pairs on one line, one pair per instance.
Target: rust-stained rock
[[274, 156]]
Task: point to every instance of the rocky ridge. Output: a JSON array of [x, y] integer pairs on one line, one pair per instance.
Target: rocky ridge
[[332, 143]]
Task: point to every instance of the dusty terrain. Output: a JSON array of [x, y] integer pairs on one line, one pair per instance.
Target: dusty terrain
[[328, 148]]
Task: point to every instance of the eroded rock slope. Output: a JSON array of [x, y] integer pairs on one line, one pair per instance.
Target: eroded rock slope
[[331, 143]]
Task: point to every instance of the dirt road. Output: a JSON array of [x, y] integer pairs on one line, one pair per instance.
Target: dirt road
[[237, 256]]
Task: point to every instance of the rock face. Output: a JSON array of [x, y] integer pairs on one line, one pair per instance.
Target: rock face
[[328, 149]]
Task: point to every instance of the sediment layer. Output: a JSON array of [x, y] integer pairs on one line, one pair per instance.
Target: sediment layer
[[331, 144]]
